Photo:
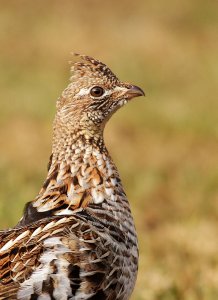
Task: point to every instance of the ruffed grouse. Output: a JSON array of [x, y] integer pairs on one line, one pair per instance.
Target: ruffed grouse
[[76, 239]]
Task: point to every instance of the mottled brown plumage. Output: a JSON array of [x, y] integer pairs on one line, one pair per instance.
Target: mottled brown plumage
[[76, 239]]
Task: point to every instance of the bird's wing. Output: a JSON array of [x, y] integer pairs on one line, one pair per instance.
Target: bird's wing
[[62, 257]]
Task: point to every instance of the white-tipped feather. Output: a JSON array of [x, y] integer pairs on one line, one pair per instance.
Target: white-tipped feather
[[54, 255]]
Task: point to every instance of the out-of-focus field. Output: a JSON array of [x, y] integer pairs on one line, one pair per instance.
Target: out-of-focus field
[[165, 145]]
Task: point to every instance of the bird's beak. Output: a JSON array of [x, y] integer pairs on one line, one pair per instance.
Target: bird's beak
[[133, 91]]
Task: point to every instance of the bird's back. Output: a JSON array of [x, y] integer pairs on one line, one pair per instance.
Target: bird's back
[[71, 257]]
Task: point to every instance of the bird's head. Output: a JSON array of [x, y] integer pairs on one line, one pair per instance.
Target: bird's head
[[93, 95]]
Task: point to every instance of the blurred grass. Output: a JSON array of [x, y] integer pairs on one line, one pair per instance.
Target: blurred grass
[[169, 154]]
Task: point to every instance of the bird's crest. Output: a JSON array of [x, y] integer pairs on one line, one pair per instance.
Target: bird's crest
[[87, 66]]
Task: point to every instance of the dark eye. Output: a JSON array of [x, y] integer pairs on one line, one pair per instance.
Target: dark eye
[[97, 91]]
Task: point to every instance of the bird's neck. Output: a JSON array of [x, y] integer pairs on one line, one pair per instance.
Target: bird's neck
[[81, 173], [71, 145]]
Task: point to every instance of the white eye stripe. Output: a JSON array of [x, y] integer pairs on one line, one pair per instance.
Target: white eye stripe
[[86, 91], [83, 92], [119, 89]]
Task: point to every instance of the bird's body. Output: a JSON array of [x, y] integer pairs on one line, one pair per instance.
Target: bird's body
[[76, 239]]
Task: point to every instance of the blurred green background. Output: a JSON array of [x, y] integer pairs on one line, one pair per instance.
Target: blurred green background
[[165, 145]]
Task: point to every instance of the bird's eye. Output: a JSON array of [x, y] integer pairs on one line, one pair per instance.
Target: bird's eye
[[97, 91]]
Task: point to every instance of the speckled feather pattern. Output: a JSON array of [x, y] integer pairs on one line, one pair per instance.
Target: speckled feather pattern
[[76, 239]]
